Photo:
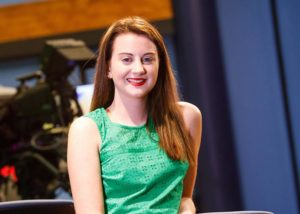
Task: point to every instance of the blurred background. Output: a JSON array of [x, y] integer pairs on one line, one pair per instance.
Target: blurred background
[[237, 60]]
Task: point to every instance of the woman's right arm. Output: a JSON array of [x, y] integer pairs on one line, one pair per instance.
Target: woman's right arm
[[84, 166]]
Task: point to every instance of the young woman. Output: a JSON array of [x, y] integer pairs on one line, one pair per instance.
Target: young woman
[[136, 151]]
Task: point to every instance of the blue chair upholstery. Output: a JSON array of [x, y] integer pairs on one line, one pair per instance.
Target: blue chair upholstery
[[40, 206], [240, 212]]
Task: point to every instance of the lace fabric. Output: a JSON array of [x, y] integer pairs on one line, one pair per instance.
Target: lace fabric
[[137, 175]]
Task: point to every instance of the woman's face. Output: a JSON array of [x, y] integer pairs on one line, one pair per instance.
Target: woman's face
[[134, 65]]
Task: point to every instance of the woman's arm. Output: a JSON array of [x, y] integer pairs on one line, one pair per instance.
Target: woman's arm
[[84, 166], [193, 121]]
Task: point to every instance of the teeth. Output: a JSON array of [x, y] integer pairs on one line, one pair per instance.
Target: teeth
[[136, 80]]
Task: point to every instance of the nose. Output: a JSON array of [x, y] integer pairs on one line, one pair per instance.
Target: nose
[[138, 67]]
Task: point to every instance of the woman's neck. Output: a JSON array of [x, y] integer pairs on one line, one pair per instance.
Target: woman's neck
[[128, 112]]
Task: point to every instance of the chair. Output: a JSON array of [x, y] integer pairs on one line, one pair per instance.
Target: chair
[[240, 212], [38, 206]]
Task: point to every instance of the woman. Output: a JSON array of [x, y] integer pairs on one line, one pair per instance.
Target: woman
[[136, 151]]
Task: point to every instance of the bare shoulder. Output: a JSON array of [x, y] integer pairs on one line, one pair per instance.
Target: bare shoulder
[[84, 128], [82, 124], [191, 114]]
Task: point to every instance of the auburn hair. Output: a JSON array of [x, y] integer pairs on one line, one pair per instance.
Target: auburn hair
[[162, 100]]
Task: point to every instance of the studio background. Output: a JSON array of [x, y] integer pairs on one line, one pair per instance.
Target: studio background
[[239, 62]]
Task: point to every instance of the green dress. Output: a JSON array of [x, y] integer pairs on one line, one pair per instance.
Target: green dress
[[137, 175]]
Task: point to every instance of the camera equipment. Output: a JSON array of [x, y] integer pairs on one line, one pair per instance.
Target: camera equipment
[[61, 56], [58, 60], [34, 122], [32, 106]]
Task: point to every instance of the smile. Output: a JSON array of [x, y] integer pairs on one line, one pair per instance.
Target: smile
[[136, 81]]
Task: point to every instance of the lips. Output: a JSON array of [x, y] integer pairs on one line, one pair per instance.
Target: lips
[[136, 81]]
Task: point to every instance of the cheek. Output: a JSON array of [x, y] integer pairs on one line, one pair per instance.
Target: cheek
[[155, 77], [118, 69]]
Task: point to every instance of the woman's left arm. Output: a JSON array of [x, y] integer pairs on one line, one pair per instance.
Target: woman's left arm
[[193, 121]]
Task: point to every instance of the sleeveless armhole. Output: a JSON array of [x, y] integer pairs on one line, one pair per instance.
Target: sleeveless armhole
[[97, 117], [137, 175]]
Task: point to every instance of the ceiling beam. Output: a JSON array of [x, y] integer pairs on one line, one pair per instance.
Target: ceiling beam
[[25, 27]]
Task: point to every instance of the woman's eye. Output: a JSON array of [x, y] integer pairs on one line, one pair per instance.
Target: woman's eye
[[127, 60], [147, 60]]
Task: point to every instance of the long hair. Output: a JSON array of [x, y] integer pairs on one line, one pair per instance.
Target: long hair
[[162, 99]]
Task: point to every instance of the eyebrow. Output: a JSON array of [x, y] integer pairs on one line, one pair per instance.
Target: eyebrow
[[126, 53]]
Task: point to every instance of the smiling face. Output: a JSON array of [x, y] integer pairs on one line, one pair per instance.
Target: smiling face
[[133, 65]]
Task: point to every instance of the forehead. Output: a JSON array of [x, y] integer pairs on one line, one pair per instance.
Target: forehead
[[131, 42]]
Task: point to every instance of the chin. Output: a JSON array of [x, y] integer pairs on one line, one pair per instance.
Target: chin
[[139, 93], [139, 96]]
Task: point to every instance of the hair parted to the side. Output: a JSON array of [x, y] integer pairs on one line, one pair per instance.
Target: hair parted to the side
[[162, 100]]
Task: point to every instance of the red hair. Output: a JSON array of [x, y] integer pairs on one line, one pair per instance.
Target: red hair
[[162, 99]]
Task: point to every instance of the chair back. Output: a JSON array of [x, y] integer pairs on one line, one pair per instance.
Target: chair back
[[240, 212], [40, 206]]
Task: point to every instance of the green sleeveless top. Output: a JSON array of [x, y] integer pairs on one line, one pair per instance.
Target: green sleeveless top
[[137, 175]]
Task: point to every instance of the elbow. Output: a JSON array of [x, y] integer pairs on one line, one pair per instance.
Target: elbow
[[187, 206]]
